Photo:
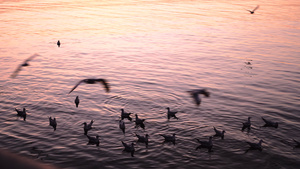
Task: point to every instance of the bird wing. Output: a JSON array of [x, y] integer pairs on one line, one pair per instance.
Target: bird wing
[[266, 121], [256, 8], [76, 86], [31, 57], [197, 98], [105, 84]]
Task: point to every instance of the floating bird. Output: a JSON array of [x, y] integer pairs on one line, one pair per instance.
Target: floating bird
[[52, 122], [125, 115], [206, 144], [297, 144], [247, 124], [93, 140], [25, 63], [122, 125], [21, 113], [219, 133], [77, 101], [171, 114], [58, 43], [195, 95], [129, 148], [252, 12], [269, 123], [143, 139], [139, 122], [87, 127], [169, 138], [92, 81], [255, 146]]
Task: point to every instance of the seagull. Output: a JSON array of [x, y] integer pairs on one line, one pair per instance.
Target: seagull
[[139, 122], [58, 43], [247, 124], [25, 63], [269, 123], [52, 122], [195, 95], [122, 125], [171, 114], [219, 133], [205, 144], [77, 101], [143, 139], [252, 12], [129, 148], [93, 140], [297, 144], [87, 127], [169, 138], [255, 146], [93, 81], [21, 113], [125, 115]]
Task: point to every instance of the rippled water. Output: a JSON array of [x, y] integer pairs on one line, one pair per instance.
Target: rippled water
[[151, 52]]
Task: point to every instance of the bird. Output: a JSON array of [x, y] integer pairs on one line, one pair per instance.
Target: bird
[[169, 138], [297, 144], [77, 101], [139, 122], [247, 124], [122, 125], [21, 113], [143, 139], [58, 43], [255, 146], [52, 122], [125, 115], [195, 95], [25, 63], [219, 133], [206, 144], [269, 123], [87, 127], [92, 81], [129, 148], [171, 114], [93, 140], [252, 12]]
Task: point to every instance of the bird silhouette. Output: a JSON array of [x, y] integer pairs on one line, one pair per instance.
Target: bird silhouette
[[171, 114], [206, 144], [125, 115], [21, 113], [25, 63], [52, 122], [129, 148], [87, 127], [252, 12], [219, 133], [77, 101], [269, 123], [92, 81], [255, 146], [93, 140], [58, 43]]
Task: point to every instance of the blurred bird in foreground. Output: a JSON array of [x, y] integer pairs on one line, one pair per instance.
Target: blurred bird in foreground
[[195, 95], [25, 63], [252, 12]]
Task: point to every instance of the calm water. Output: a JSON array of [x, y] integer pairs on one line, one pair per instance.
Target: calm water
[[151, 52]]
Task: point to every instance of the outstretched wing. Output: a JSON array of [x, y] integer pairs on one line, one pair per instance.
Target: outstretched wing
[[31, 57], [256, 8], [105, 84], [15, 73], [76, 86]]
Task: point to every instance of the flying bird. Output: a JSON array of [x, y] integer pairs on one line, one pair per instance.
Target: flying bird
[[52, 122], [252, 12], [92, 81], [77, 101], [25, 63], [195, 95], [21, 113]]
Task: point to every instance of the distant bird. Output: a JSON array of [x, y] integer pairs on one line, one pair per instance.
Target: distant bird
[[247, 124], [58, 43], [125, 115], [269, 123], [129, 148], [171, 114], [21, 113], [255, 146], [297, 144], [169, 138], [122, 125], [219, 133], [52, 122], [93, 140], [195, 95], [25, 63], [252, 12], [143, 139], [206, 144], [77, 101], [87, 127], [93, 81], [139, 122]]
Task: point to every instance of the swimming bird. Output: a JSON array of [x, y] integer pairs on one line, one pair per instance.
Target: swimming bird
[[195, 95], [219, 133], [171, 114], [269, 123], [129, 148], [21, 113], [297, 144], [125, 115], [169, 138], [87, 127], [77, 101], [139, 122], [143, 139], [93, 140], [58, 43], [122, 125], [247, 124], [255, 146], [25, 63], [206, 144], [92, 81], [52, 122], [252, 12]]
